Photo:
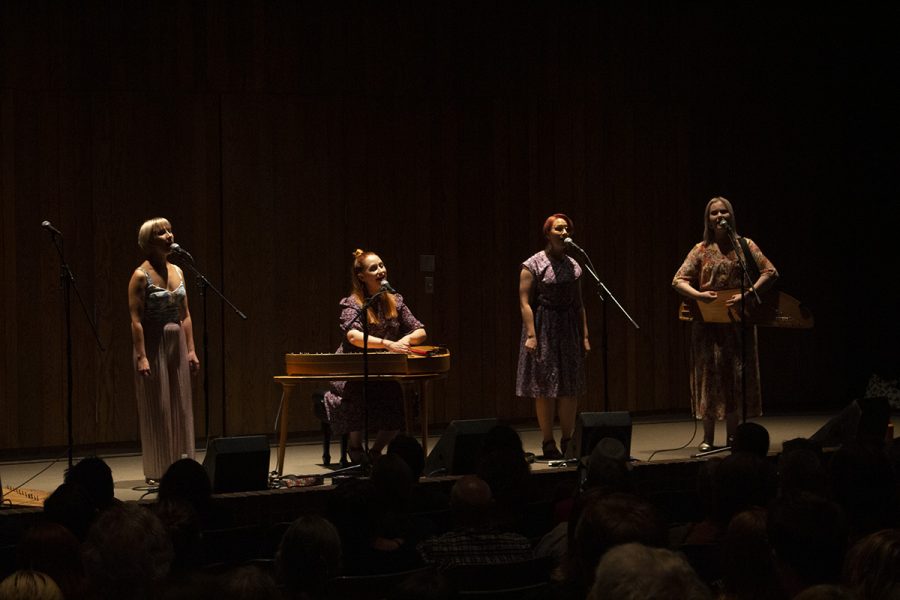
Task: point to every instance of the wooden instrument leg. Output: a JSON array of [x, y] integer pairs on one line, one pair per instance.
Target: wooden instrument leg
[[287, 388], [424, 400]]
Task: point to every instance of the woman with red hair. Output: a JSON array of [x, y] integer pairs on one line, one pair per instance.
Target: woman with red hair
[[554, 336], [392, 327]]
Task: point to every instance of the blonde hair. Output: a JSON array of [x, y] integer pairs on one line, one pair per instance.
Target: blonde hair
[[708, 236], [358, 290], [30, 585], [147, 229]]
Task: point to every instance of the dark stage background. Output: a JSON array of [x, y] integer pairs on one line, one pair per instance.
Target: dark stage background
[[278, 136]]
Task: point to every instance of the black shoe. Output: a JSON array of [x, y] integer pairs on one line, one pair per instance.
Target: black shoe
[[551, 452]]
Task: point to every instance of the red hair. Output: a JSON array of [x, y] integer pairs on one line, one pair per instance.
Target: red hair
[[358, 290], [549, 222]]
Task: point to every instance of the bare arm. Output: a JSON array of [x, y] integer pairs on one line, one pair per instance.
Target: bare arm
[[355, 337], [526, 280], [584, 325], [137, 287], [687, 290], [188, 327]]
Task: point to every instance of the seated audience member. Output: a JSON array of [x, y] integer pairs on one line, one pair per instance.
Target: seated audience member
[[182, 525], [825, 591], [863, 484], [425, 585], [808, 535], [475, 538], [636, 572], [127, 554], [752, 438], [249, 583], [359, 517], [52, 549], [502, 465], [393, 483], [748, 569], [95, 476], [607, 520], [800, 469], [872, 566], [72, 507], [187, 480], [740, 481], [29, 585], [308, 556], [423, 498], [607, 471]]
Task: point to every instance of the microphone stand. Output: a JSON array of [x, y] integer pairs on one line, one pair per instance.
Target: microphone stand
[[67, 279], [604, 340], [745, 276], [204, 283], [364, 323]]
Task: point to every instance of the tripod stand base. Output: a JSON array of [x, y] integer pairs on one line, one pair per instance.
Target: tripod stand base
[[711, 452]]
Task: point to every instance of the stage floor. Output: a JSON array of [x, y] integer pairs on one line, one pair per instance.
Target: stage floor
[[652, 439]]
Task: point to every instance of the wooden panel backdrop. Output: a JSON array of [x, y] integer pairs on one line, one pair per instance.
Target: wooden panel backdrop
[[278, 136]]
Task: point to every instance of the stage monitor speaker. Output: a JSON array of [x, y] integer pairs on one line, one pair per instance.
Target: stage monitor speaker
[[591, 427], [457, 450], [238, 464], [863, 418]]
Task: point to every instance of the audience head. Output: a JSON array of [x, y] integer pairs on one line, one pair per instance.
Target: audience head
[[741, 481], [95, 476], [751, 437], [309, 555], [30, 585], [71, 506], [863, 484], [471, 500], [393, 481], [748, 569], [127, 553], [248, 583], [187, 479], [636, 572], [429, 584], [610, 520], [872, 566], [825, 591], [808, 535], [801, 470], [608, 468], [52, 549], [410, 450], [508, 474]]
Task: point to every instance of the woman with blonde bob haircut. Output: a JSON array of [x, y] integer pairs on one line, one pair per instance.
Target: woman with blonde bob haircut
[[164, 356], [392, 327]]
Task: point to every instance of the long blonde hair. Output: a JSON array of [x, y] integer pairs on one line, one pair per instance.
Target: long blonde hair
[[708, 236], [358, 290]]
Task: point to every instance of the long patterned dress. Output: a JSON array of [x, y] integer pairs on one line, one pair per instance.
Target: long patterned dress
[[164, 399], [556, 368], [344, 402], [716, 347]]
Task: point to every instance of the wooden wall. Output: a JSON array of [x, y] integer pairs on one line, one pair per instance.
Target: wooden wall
[[278, 136]]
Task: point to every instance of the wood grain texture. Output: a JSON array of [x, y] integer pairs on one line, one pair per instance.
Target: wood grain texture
[[278, 136]]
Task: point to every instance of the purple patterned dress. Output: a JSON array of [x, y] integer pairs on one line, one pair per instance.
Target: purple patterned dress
[[716, 347], [343, 402], [556, 368]]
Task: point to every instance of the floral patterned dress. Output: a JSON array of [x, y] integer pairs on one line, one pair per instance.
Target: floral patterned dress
[[556, 368], [344, 401], [716, 347]]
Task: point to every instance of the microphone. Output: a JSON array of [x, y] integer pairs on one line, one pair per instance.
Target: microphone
[[46, 225], [386, 287], [723, 222], [569, 242], [181, 251]]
